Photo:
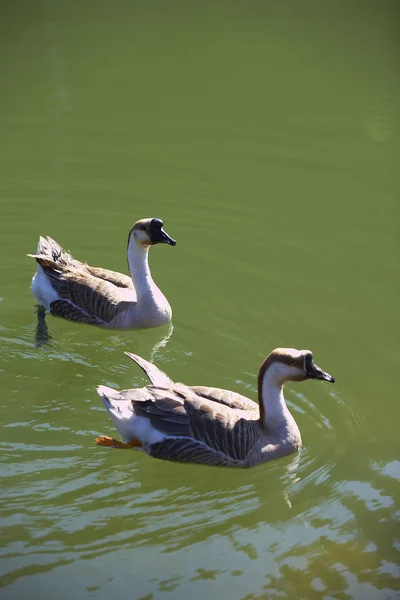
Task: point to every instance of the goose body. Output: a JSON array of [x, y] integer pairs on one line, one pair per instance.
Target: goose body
[[78, 292], [212, 426]]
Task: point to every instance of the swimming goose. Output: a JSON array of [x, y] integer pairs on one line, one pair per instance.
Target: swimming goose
[[211, 426], [71, 289]]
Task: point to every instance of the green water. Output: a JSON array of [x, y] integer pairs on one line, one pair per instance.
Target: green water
[[266, 136]]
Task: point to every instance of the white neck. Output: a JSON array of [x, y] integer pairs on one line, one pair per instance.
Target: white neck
[[139, 268], [273, 399]]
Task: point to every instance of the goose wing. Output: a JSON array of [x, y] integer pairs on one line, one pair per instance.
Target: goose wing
[[218, 395], [96, 300], [118, 279], [156, 376], [226, 397], [200, 430], [50, 249]]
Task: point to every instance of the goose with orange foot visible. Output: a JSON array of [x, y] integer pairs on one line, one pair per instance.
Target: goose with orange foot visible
[[211, 426]]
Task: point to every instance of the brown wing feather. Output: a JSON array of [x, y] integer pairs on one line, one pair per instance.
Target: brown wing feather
[[165, 411], [187, 450], [50, 249], [118, 279], [88, 294], [93, 296], [226, 397], [221, 428], [66, 310], [213, 425]]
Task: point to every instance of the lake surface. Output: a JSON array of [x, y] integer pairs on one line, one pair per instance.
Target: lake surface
[[266, 135]]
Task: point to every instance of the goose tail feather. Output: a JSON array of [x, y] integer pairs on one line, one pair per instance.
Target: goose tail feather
[[156, 376]]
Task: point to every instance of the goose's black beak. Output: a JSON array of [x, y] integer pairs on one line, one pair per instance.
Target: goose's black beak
[[158, 235], [314, 372]]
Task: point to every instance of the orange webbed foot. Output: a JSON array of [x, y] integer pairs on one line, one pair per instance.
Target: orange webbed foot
[[105, 440]]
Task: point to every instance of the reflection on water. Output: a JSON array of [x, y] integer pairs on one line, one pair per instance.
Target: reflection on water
[[115, 506], [42, 336]]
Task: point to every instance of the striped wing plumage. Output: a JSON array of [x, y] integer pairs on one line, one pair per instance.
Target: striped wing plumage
[[201, 430]]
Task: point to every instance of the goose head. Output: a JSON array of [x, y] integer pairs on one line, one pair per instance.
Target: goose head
[[288, 364], [148, 232]]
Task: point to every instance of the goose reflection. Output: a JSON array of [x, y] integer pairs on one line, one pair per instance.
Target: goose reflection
[[42, 335], [150, 341]]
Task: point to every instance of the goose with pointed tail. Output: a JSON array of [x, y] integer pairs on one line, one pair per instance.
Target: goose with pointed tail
[[75, 291], [211, 426]]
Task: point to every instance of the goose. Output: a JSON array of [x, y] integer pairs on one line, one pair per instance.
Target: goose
[[77, 292], [206, 425]]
